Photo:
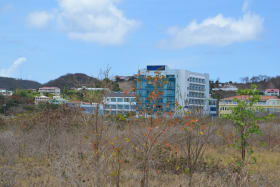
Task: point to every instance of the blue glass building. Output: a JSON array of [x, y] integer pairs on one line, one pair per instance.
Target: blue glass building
[[165, 101], [189, 89]]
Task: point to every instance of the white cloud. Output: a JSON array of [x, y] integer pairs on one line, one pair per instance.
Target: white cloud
[[97, 21], [219, 31], [39, 19], [9, 72]]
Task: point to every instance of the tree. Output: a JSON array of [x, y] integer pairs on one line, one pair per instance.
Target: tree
[[244, 117]]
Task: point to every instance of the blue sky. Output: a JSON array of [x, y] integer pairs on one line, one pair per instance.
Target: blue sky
[[229, 39]]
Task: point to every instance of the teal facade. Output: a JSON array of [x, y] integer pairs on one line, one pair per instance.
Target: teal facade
[[165, 101]]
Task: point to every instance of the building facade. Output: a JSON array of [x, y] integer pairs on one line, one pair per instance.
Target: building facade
[[213, 109], [271, 92], [182, 87], [119, 102], [270, 104], [51, 90], [5, 92], [41, 100]]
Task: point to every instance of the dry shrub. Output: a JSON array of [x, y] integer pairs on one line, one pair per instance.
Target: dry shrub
[[26, 160]]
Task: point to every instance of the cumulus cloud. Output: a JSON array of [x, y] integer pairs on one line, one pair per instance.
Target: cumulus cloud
[[10, 72], [93, 21], [39, 19], [218, 31]]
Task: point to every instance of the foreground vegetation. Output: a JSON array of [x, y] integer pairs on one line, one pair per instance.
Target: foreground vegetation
[[64, 147]]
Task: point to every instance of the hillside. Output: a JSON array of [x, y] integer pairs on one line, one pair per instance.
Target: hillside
[[127, 85], [12, 84], [74, 81], [272, 82]]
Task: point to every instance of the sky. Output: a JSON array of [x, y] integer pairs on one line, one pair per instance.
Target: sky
[[229, 39]]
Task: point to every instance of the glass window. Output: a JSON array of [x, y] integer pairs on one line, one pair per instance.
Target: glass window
[[120, 106], [120, 99], [113, 99], [132, 99], [126, 107], [126, 99], [113, 106]]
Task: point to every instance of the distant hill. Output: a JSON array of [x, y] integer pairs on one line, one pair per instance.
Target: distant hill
[[12, 84], [127, 85], [74, 81], [271, 83], [262, 82]]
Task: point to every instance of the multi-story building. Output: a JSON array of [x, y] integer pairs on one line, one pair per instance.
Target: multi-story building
[[51, 90], [119, 102], [185, 88], [270, 104], [271, 92]]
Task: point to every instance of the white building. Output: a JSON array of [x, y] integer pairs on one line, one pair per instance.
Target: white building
[[188, 89], [5, 92], [119, 102], [271, 92], [51, 90], [41, 99], [93, 89], [227, 88]]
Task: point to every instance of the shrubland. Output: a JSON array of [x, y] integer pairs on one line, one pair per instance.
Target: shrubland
[[62, 146]]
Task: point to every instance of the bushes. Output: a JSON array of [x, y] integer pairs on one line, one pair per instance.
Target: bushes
[[61, 143]]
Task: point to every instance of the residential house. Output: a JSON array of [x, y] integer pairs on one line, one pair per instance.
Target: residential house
[[270, 104], [272, 92], [41, 99]]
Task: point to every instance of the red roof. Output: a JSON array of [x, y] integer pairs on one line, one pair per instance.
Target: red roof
[[246, 97], [272, 90]]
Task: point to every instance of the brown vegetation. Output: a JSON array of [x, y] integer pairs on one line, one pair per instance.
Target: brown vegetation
[[64, 147]]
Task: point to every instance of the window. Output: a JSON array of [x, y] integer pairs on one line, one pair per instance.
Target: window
[[126, 107], [126, 99], [113, 106], [120, 106], [113, 99], [120, 99], [132, 99]]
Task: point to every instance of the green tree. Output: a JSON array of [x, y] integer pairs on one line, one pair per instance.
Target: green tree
[[245, 117]]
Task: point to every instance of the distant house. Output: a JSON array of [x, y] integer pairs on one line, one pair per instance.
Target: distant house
[[270, 104], [41, 99], [226, 88], [93, 89], [57, 100], [271, 92], [5, 92], [51, 90]]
